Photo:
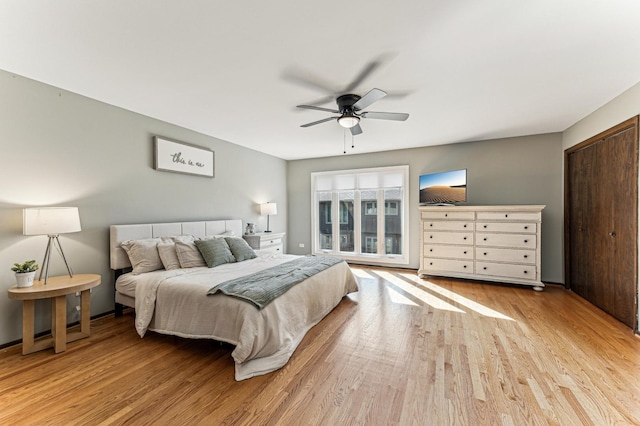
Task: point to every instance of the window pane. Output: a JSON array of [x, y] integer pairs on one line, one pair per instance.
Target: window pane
[[325, 231], [393, 221], [369, 221], [346, 221]]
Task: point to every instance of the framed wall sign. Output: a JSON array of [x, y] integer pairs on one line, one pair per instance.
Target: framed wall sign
[[180, 157]]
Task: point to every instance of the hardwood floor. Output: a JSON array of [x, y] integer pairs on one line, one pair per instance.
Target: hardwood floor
[[401, 351]]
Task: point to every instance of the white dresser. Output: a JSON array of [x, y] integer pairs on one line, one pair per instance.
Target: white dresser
[[266, 242], [492, 243]]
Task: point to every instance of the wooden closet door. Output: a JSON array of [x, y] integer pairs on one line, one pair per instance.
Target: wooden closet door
[[602, 215]]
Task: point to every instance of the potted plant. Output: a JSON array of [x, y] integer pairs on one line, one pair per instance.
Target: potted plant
[[25, 273]]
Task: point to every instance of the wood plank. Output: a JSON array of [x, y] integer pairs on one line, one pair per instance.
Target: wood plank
[[448, 351]]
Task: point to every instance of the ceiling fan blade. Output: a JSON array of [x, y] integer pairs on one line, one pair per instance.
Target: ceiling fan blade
[[396, 116], [307, 79], [324, 120], [318, 108], [356, 130], [372, 96], [368, 70]]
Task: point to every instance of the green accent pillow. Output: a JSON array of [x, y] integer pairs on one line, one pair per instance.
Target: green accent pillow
[[215, 252], [240, 249]]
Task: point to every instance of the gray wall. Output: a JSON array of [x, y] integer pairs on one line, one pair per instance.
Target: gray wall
[[62, 149], [522, 170]]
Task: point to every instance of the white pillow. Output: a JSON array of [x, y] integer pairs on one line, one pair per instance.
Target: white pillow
[[143, 254], [188, 255], [224, 234], [168, 255]]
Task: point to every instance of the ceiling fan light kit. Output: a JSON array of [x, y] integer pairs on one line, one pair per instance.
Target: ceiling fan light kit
[[348, 120], [350, 108]]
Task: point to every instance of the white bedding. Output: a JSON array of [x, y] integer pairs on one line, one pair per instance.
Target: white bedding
[[175, 302]]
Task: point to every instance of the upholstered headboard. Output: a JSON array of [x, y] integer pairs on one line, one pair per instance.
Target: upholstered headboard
[[120, 233]]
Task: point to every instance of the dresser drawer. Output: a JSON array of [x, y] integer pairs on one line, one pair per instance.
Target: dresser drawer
[[506, 240], [465, 238], [269, 242], [448, 215], [506, 255], [452, 252], [521, 272], [527, 216], [274, 249], [447, 225], [520, 227], [432, 265]]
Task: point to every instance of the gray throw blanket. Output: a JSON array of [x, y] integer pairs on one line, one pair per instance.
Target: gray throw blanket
[[264, 286]]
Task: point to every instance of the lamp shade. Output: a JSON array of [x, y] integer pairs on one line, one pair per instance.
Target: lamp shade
[[268, 209], [50, 220]]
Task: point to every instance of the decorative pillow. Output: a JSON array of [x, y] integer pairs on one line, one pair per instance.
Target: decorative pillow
[[215, 252], [143, 254], [188, 255], [168, 255], [240, 249]]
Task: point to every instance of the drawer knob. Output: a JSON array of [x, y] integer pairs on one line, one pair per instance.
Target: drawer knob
[[526, 241], [464, 238], [485, 238], [484, 267], [464, 266], [445, 215], [464, 226], [431, 224], [526, 227], [430, 263], [432, 250], [465, 252], [430, 236], [526, 255], [484, 226], [506, 215], [525, 272], [485, 253]]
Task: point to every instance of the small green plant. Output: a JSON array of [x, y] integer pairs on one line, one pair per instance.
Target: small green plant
[[28, 266]]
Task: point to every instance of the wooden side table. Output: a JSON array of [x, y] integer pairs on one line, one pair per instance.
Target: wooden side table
[[56, 289]]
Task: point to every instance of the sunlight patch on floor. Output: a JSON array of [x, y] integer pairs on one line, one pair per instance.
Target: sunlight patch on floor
[[360, 273], [419, 294], [474, 306], [398, 298]]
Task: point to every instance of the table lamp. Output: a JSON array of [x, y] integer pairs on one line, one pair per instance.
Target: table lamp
[[268, 209], [51, 221]]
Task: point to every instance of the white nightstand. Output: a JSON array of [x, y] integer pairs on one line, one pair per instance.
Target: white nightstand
[[266, 242]]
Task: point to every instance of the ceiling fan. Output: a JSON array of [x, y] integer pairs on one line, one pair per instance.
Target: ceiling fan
[[350, 108]]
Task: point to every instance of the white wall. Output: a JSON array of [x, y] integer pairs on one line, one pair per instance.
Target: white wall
[[62, 149]]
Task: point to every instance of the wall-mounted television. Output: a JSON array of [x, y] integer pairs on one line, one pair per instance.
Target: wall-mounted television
[[444, 187]]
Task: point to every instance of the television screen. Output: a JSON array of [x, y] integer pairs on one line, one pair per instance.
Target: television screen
[[444, 188]]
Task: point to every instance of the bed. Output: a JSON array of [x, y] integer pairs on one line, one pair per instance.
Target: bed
[[174, 301]]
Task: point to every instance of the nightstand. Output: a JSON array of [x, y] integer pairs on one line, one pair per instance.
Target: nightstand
[[266, 242], [56, 289]]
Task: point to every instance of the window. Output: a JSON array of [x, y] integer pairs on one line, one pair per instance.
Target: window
[[359, 230], [370, 208], [391, 207]]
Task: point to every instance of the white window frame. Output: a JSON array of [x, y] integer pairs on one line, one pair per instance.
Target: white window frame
[[352, 180]]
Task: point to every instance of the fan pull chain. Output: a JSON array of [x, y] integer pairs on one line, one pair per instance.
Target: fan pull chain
[[344, 141]]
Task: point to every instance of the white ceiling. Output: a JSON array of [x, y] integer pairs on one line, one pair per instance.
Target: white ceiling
[[469, 70]]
